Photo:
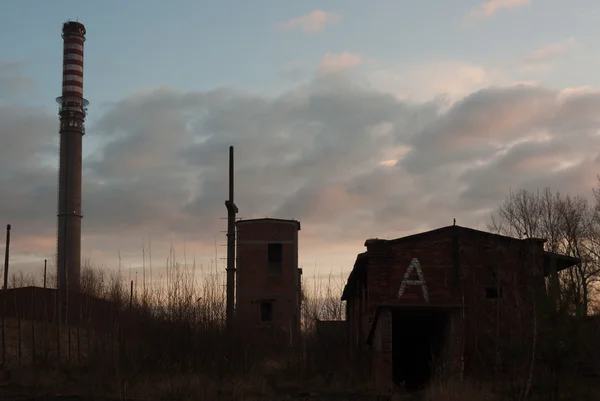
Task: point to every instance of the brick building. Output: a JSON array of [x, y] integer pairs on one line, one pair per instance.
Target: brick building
[[45, 304], [439, 299], [268, 280]]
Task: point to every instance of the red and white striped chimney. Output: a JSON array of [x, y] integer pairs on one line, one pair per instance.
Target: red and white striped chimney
[[72, 112]]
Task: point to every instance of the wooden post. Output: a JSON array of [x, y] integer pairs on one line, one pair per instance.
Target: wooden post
[[33, 327], [131, 295], [45, 264], [6, 256], [19, 330], [67, 324], [79, 323], [45, 342], [3, 333], [68, 343], [78, 346], [89, 342], [111, 339], [58, 339]]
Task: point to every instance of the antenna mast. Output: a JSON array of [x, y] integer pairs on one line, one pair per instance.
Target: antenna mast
[[232, 210]]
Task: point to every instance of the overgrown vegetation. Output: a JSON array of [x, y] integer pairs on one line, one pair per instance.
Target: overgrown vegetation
[[571, 226], [172, 342], [170, 336], [555, 345]]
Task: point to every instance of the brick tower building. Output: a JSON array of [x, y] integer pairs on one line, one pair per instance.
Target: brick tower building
[[268, 281]]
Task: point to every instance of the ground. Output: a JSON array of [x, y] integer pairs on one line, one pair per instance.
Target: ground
[[26, 384]]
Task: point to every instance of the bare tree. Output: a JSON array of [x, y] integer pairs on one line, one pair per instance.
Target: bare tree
[[570, 226]]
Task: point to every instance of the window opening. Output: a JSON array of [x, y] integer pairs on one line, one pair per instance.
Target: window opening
[[275, 257], [266, 311], [493, 289]]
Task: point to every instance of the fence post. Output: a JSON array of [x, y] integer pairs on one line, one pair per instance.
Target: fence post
[[69, 343], [58, 340], [3, 332], [89, 341], [19, 329], [45, 342], [33, 326], [68, 325], [79, 323], [6, 256], [78, 346]]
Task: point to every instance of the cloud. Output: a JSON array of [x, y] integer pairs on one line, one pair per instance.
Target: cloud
[[12, 82], [333, 62], [548, 53], [421, 81], [312, 22], [346, 158], [488, 8]]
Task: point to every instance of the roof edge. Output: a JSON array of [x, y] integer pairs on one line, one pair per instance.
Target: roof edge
[[360, 258], [375, 241], [271, 220]]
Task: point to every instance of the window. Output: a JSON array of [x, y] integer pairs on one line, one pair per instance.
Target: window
[[266, 311], [493, 290], [275, 256]]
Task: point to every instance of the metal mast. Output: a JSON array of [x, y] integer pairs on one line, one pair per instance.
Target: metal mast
[[232, 210]]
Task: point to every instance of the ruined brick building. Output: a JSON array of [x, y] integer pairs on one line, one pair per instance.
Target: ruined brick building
[[268, 281], [445, 296], [36, 325]]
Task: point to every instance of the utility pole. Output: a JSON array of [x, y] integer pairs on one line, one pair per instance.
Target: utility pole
[[232, 210], [6, 253]]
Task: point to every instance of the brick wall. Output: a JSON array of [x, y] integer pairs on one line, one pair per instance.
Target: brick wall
[[254, 282], [446, 268], [390, 262], [38, 325], [24, 342], [385, 359]]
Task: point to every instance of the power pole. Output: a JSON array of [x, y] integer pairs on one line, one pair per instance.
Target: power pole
[[6, 254], [232, 210]]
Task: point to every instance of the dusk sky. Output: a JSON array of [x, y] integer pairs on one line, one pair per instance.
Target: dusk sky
[[360, 119]]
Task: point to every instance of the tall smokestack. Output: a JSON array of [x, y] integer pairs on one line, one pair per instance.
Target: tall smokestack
[[72, 112]]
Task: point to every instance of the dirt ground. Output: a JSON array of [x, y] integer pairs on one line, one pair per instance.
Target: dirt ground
[[27, 384]]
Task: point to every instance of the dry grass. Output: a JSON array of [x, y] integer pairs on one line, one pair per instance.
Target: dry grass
[[580, 389], [174, 347], [452, 390], [173, 339]]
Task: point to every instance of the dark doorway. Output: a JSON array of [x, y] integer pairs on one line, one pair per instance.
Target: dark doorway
[[417, 343]]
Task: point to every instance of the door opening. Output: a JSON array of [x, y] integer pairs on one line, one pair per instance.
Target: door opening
[[418, 338]]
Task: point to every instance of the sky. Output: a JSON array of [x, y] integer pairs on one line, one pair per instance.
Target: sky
[[359, 119]]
